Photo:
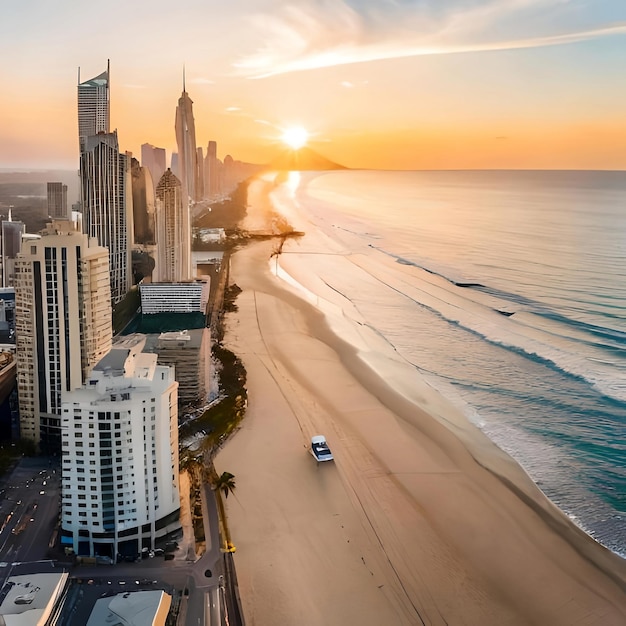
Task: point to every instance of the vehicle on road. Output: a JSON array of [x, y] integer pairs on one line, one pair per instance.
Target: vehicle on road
[[320, 449]]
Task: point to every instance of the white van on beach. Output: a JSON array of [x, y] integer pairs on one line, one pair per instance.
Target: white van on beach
[[320, 449]]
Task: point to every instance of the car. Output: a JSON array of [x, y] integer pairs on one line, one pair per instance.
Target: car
[[320, 449]]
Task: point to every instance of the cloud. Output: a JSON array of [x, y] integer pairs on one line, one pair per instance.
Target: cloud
[[325, 33], [232, 109]]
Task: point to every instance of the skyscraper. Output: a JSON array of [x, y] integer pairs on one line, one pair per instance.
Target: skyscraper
[[128, 477], [174, 165], [106, 194], [143, 205], [57, 200], [186, 142], [154, 159], [199, 174], [212, 171], [62, 324], [173, 231], [12, 233], [94, 113]]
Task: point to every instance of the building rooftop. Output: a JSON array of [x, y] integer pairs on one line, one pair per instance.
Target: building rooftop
[[138, 608], [113, 362], [31, 598], [191, 338], [96, 81]]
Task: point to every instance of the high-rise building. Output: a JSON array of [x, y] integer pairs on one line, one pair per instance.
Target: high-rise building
[[120, 471], [94, 113], [154, 159], [143, 205], [173, 231], [200, 174], [12, 233], [62, 324], [57, 200], [186, 142], [175, 165], [106, 193], [212, 171]]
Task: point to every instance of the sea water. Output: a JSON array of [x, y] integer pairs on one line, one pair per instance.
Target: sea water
[[507, 291]]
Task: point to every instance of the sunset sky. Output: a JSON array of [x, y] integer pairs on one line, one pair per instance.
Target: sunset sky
[[393, 84]]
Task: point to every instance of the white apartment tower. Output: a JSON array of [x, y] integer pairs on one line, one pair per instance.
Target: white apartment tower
[[94, 111], [62, 324], [173, 231], [106, 194], [120, 455]]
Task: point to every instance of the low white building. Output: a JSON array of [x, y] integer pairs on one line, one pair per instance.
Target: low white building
[[120, 455], [187, 297]]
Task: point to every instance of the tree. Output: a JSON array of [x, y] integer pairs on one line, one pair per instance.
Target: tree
[[224, 484]]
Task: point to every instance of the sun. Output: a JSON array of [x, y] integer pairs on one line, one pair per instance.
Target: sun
[[295, 137]]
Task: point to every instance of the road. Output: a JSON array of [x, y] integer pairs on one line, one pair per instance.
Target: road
[[29, 509]]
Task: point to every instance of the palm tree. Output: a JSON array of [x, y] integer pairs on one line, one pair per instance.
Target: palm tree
[[225, 483]]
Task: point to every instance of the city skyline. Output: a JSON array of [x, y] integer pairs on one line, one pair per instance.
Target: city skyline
[[461, 84]]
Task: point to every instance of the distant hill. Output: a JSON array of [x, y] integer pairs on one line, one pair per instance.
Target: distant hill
[[303, 159]]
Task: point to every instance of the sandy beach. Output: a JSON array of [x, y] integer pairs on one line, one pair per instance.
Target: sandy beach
[[419, 520]]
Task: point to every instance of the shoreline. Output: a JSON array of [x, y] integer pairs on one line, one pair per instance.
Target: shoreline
[[448, 528]]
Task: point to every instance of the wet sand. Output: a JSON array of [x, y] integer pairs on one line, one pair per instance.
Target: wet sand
[[414, 522]]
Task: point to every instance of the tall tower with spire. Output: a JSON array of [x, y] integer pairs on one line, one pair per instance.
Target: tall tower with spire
[[186, 141]]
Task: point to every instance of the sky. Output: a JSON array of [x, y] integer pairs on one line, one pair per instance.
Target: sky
[[381, 84]]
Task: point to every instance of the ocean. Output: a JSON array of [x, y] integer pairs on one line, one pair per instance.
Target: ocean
[[506, 291]]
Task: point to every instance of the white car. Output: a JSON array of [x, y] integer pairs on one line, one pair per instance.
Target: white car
[[320, 449]]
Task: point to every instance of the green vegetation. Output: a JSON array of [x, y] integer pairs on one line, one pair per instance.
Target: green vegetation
[[230, 295], [196, 514], [218, 422], [224, 484]]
